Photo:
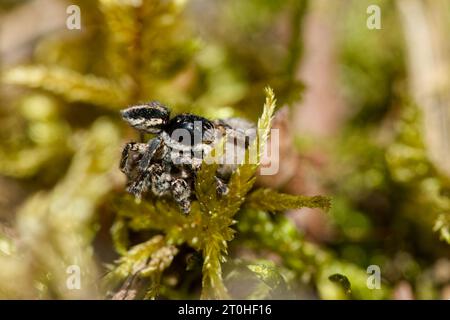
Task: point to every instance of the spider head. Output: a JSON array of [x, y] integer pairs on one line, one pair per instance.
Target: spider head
[[197, 129], [148, 118]]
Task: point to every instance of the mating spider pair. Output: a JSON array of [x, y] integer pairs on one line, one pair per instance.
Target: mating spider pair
[[167, 164]]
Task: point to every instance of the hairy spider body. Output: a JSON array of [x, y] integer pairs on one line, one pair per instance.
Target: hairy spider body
[[168, 163]]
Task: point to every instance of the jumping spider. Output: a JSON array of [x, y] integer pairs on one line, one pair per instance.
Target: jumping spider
[[167, 164]]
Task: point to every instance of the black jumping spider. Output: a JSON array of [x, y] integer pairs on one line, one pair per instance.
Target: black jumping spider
[[167, 164]]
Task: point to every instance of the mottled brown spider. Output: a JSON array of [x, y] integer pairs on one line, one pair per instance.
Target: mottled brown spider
[[168, 163]]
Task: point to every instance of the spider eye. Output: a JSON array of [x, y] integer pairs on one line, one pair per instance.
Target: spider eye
[[148, 118]]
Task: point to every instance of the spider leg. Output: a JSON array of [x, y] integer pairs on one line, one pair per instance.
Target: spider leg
[[160, 180], [143, 178], [131, 155], [152, 147], [181, 192], [140, 186], [221, 187], [125, 156], [135, 163]]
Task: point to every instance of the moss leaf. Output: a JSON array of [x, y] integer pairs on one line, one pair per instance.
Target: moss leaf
[[271, 200], [71, 85]]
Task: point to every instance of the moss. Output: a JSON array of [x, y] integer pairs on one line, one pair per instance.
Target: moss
[[61, 141]]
